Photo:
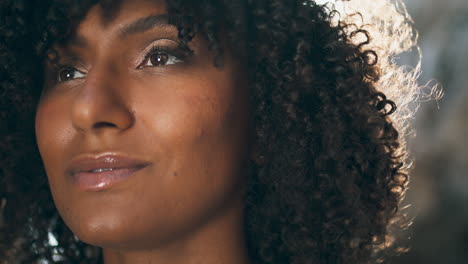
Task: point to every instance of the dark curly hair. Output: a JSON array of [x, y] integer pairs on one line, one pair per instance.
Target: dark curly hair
[[330, 170]]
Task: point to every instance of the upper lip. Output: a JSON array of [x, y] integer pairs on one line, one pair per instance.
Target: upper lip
[[90, 162]]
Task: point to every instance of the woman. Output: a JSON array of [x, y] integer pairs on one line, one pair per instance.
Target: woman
[[194, 132]]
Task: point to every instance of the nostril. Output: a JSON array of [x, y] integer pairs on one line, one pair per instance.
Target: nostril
[[104, 124], [101, 112]]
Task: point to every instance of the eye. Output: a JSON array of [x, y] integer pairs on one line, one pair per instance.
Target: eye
[[159, 59], [160, 56], [68, 73]]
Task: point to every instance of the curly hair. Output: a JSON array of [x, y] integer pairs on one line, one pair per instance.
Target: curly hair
[[330, 171]]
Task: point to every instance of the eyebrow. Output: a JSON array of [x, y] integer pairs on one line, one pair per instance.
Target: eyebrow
[[145, 24], [138, 26]]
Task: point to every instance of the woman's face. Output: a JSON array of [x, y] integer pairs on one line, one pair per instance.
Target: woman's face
[[141, 144]]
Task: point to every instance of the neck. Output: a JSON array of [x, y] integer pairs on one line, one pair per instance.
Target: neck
[[221, 241]]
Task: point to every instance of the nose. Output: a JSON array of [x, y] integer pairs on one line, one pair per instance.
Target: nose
[[100, 105]]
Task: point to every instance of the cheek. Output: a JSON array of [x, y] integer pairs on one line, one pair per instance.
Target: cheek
[[53, 132], [187, 114], [202, 138], [53, 136], [194, 128]]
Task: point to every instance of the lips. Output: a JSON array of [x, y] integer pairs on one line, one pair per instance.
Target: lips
[[99, 172]]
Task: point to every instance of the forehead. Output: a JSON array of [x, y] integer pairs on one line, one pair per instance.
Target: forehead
[[117, 18], [118, 13]]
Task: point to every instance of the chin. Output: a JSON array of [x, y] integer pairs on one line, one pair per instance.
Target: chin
[[117, 232], [101, 232]]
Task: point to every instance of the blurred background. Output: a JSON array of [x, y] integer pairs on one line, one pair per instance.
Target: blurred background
[[438, 194]]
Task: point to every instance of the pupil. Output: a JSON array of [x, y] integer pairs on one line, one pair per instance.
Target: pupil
[[66, 74], [159, 59]]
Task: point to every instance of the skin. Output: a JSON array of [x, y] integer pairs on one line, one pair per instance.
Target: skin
[[190, 120]]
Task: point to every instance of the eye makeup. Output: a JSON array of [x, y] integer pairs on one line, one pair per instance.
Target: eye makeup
[[170, 49]]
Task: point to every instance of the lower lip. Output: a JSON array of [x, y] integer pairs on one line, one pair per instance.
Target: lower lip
[[98, 181]]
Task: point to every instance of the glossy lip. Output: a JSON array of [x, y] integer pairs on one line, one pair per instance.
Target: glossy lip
[[97, 172]]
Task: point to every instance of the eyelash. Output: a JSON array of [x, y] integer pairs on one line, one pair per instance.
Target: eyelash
[[177, 55]]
